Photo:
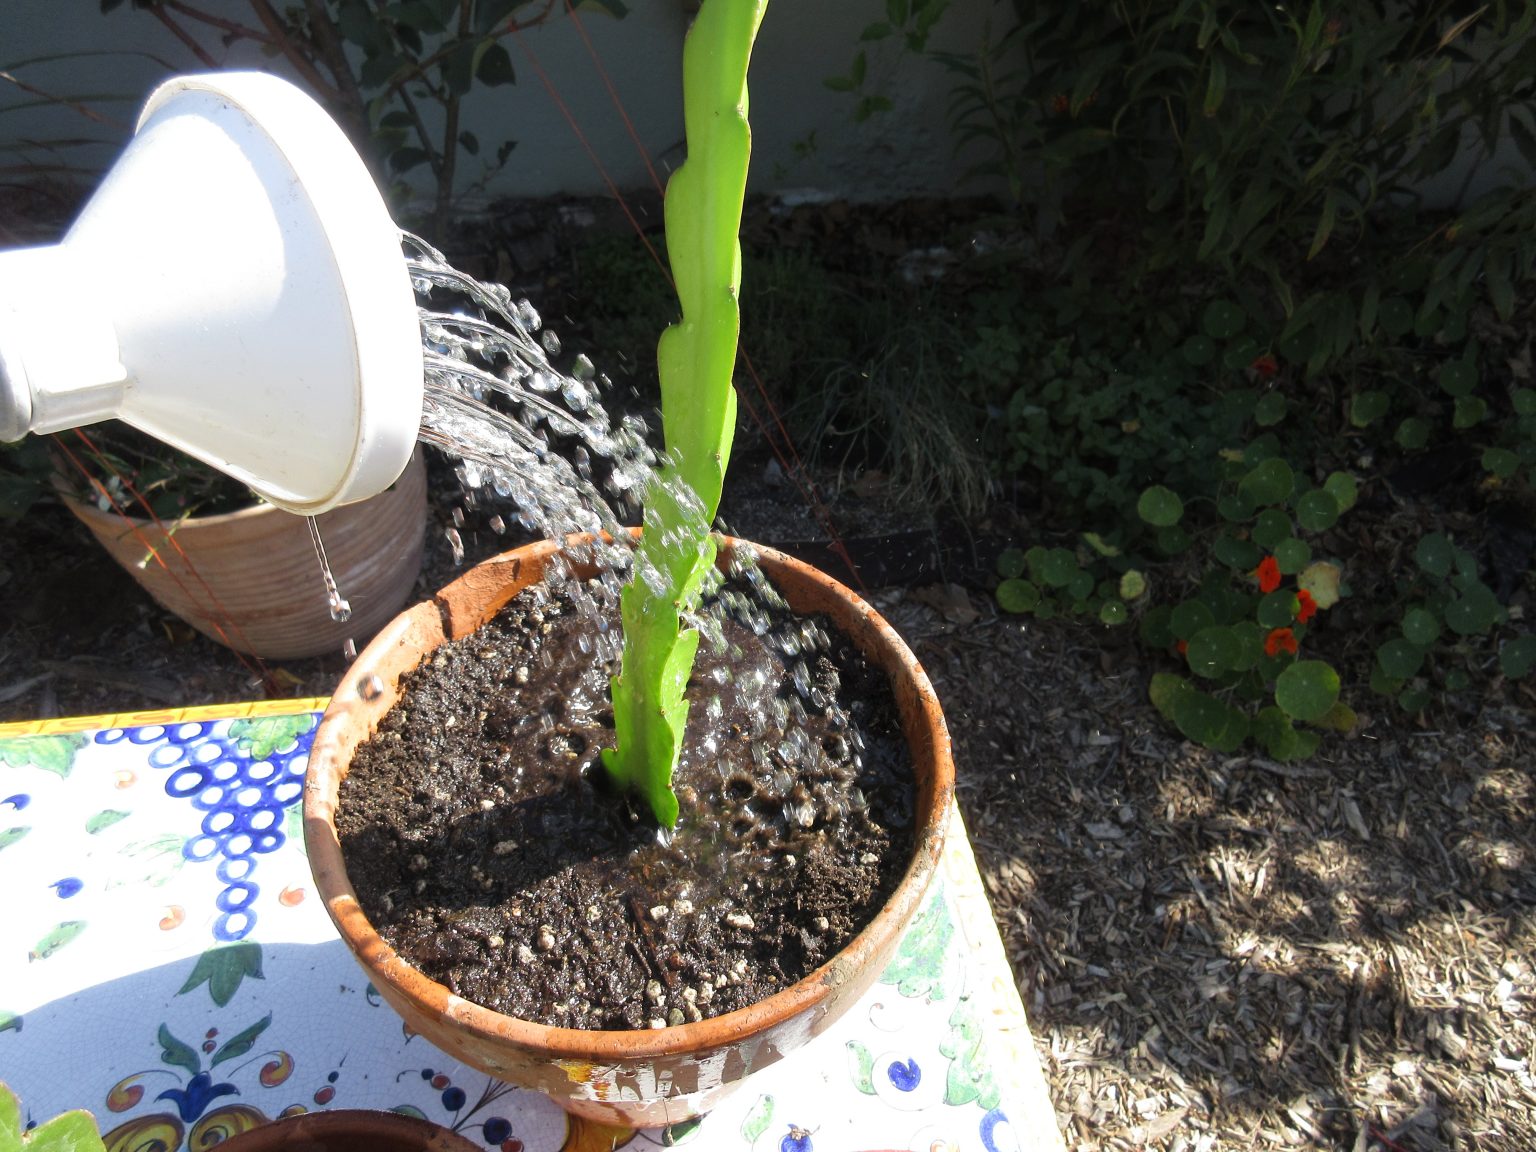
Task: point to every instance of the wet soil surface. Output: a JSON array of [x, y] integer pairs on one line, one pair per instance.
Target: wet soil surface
[[486, 848]]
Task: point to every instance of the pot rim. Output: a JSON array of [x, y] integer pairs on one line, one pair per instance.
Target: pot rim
[[919, 711], [87, 509]]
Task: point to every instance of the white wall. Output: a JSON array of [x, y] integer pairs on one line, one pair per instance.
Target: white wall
[[902, 152]]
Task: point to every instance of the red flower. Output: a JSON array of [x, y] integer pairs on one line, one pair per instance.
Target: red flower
[[1061, 103], [1281, 639], [1306, 607], [1268, 574], [1265, 367], [1182, 646]]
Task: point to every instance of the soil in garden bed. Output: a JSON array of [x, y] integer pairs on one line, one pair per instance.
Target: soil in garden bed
[[487, 849]]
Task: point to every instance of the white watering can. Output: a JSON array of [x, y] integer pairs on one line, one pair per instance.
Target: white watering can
[[235, 288]]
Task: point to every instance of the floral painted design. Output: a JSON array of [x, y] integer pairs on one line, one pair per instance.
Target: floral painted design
[[243, 776], [198, 1045]]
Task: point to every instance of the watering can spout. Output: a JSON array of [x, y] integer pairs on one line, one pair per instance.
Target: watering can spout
[[235, 288]]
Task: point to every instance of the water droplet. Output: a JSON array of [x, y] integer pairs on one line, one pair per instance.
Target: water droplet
[[551, 342], [455, 542], [370, 687], [340, 610], [349, 648]]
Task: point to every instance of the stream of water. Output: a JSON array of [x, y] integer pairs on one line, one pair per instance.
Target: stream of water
[[541, 440]]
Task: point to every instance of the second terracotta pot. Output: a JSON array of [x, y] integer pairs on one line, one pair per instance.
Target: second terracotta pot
[[348, 1130], [250, 579], [645, 1077]]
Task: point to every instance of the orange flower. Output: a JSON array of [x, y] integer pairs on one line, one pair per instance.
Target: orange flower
[[1268, 574], [1265, 367], [1182, 646], [1306, 607], [1281, 639]]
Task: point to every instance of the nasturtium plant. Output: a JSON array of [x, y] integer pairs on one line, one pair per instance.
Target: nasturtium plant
[[1518, 657], [1413, 433], [1365, 408], [1160, 507], [695, 359], [68, 1132]]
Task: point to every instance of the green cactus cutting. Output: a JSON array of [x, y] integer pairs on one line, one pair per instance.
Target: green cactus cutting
[[695, 358]]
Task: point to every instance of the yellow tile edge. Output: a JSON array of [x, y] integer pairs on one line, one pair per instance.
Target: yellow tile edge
[[246, 711]]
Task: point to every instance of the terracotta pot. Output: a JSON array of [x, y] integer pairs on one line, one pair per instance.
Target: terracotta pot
[[250, 579], [644, 1077], [349, 1130]]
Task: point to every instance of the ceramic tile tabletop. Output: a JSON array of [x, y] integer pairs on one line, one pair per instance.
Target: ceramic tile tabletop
[[165, 963]]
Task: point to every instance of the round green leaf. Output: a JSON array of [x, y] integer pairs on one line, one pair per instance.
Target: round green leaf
[[1273, 729], [1368, 407], [1199, 350], [1525, 401], [1250, 645], [1046, 610], [1317, 510], [1160, 507], [1412, 434], [1209, 721], [1010, 565], [1433, 554], [1081, 586], [1238, 554], [1265, 446], [1213, 652], [1501, 462], [1165, 690], [1278, 609], [1059, 568], [1458, 377], [1234, 508], [1172, 541], [1240, 353], [1473, 613], [1292, 556], [1457, 680], [1421, 627], [1113, 612], [1297, 347], [1132, 585], [1382, 684], [1307, 690], [1469, 412], [1270, 409], [1189, 618], [1156, 627], [1395, 315], [1342, 487], [1015, 595], [1400, 659], [1518, 657], [1414, 699], [1223, 319], [1272, 526], [1270, 483]]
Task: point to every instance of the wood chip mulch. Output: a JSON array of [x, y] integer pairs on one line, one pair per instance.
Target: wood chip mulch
[[1222, 952]]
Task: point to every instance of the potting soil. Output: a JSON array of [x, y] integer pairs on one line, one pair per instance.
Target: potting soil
[[487, 848]]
